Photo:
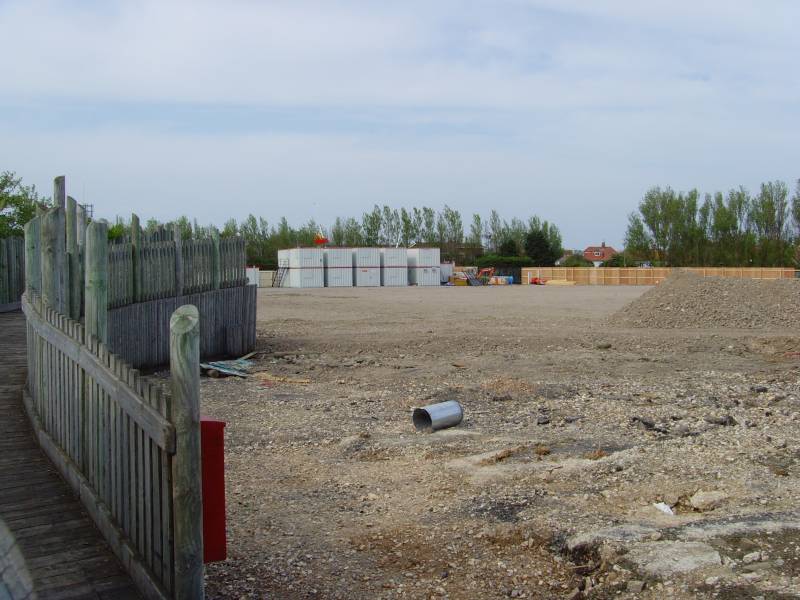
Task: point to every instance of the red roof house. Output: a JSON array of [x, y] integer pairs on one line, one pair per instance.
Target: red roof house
[[599, 254]]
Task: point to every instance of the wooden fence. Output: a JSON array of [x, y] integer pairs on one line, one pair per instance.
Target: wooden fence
[[646, 276], [228, 316], [129, 447], [145, 270], [12, 272]]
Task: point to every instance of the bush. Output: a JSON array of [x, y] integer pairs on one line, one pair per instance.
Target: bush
[[497, 261], [504, 265], [576, 260], [618, 260]]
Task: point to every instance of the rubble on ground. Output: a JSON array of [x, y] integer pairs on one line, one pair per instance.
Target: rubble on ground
[[687, 300]]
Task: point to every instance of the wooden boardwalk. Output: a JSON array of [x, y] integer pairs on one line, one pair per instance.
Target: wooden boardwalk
[[64, 551]]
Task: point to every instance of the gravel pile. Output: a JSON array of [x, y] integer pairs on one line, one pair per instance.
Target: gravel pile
[[686, 300]]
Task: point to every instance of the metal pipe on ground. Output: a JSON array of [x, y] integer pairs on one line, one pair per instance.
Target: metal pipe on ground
[[437, 416]]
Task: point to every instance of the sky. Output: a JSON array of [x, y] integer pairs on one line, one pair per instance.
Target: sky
[[566, 109]]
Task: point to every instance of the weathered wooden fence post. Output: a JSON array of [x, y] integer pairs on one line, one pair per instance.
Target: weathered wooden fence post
[[216, 263], [80, 222], [5, 287], [136, 241], [176, 235], [97, 280], [80, 219], [59, 191], [33, 272], [54, 260], [184, 345], [73, 258]]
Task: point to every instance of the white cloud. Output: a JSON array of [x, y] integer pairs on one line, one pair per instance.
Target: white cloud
[[563, 107], [364, 54]]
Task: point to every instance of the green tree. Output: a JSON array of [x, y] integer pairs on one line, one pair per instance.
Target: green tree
[[230, 229], [454, 227], [539, 249], [496, 231], [17, 204], [418, 220], [337, 232], [408, 232], [371, 223], [184, 225], [353, 234], [441, 229], [770, 215], [428, 231], [476, 231], [391, 228], [509, 247], [796, 209], [638, 241]]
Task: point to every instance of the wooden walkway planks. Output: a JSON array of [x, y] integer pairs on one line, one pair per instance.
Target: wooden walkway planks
[[65, 554]]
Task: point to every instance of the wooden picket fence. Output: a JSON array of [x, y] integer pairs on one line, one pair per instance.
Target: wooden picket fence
[[646, 276], [12, 272], [128, 446]]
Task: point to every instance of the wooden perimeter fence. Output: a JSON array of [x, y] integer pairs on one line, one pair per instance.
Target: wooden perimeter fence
[[646, 276], [149, 269], [12, 272], [128, 446], [228, 316]]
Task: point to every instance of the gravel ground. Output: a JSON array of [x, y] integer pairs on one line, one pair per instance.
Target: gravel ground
[[573, 430]]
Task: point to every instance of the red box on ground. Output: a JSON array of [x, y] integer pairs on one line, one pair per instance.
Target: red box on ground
[[212, 452]]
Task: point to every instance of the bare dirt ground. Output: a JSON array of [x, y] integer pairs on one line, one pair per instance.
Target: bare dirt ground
[[574, 428]]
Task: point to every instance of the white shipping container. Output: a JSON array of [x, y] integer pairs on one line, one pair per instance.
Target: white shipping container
[[283, 261], [366, 267], [265, 278], [338, 267], [394, 267], [424, 266], [306, 267]]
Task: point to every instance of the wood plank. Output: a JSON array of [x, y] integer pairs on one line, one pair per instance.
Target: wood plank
[[52, 528]]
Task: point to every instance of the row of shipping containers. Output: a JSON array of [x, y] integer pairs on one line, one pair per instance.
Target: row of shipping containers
[[359, 267]]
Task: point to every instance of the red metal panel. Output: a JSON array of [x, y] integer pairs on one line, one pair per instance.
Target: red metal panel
[[212, 435]]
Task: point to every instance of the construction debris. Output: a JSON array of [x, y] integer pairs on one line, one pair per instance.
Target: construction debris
[[239, 367]]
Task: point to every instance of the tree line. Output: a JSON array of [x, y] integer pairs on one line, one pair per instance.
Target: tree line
[[387, 226], [732, 229], [669, 228]]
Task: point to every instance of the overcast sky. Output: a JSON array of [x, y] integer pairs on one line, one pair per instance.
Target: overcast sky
[[563, 108]]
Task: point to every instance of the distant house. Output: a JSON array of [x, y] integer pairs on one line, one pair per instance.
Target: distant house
[[599, 254]]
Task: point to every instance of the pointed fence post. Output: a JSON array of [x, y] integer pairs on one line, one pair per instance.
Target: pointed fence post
[[59, 191], [5, 291], [136, 241], [73, 259], [54, 262], [97, 280], [216, 263], [80, 226], [33, 268], [184, 346], [179, 277]]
